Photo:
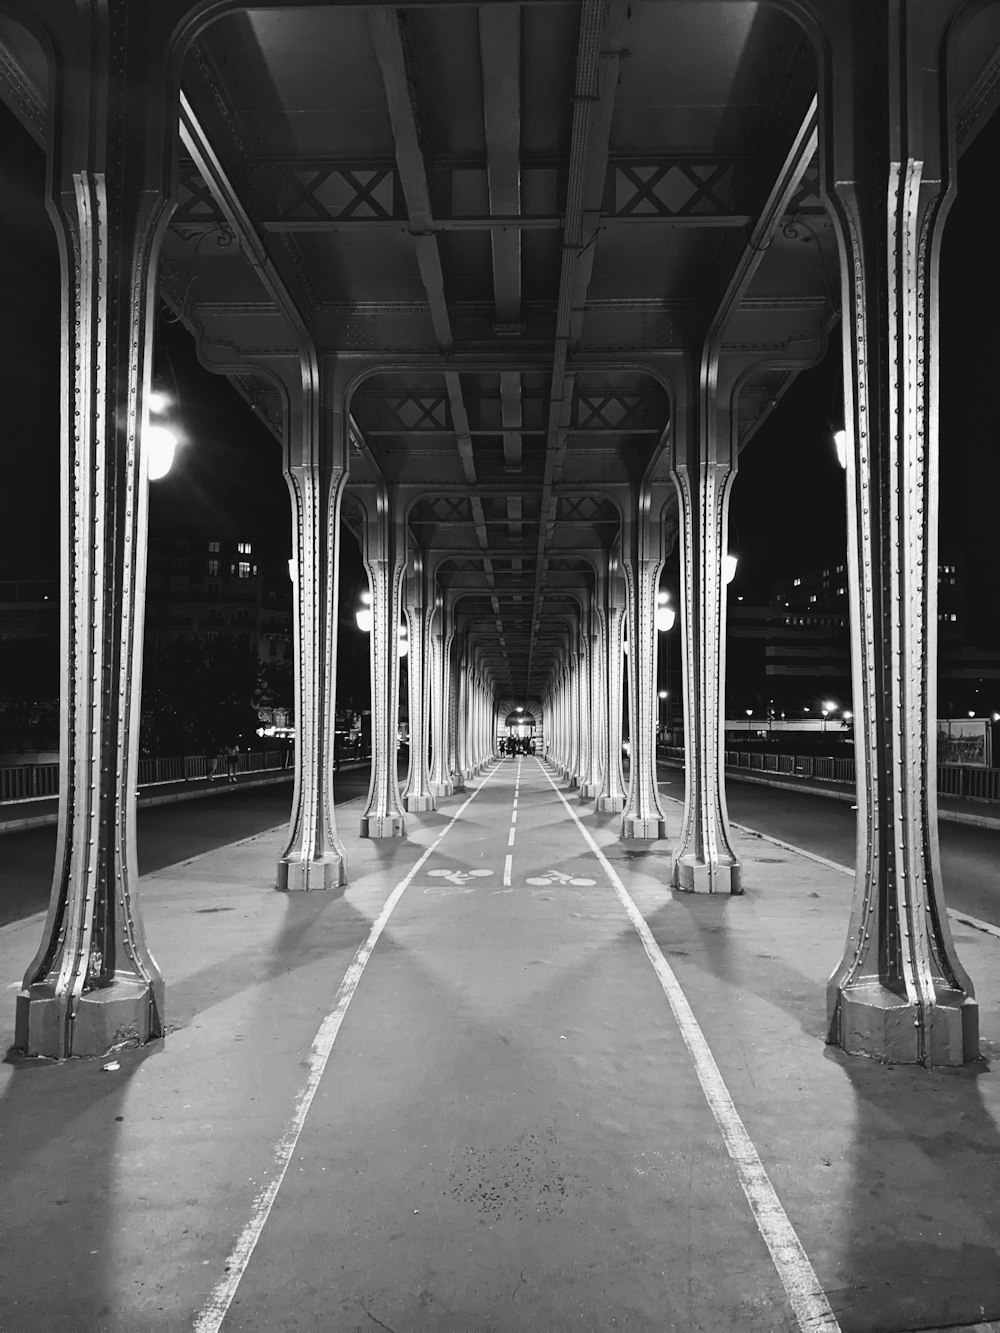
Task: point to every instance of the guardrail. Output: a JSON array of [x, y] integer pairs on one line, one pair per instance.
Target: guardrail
[[26, 781], [974, 784]]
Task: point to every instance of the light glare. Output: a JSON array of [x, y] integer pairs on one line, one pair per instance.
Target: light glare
[[160, 442]]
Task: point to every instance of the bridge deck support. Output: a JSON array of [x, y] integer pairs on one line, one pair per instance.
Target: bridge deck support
[[93, 983], [899, 993]]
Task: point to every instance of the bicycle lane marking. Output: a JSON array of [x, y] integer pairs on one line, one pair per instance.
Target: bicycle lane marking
[[798, 1277], [210, 1318]]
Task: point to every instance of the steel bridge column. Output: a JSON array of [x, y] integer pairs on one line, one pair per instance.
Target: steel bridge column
[[900, 993], [314, 856], [704, 860], [564, 721], [461, 710], [451, 677], [573, 701], [611, 798], [590, 783], [93, 981], [417, 793], [385, 559], [474, 758], [440, 777], [643, 815]]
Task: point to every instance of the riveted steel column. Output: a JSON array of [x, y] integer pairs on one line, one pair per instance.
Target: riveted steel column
[[93, 983], [900, 993], [611, 798], [704, 859], [590, 784], [573, 700], [587, 783], [440, 777], [452, 644], [596, 704], [384, 555], [461, 693], [314, 856], [643, 815], [417, 794]]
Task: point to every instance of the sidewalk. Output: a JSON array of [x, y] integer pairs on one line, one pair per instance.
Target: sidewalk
[[509, 1133]]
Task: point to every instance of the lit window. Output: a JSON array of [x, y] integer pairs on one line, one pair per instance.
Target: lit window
[[796, 583], [813, 598], [213, 568], [841, 592], [214, 547], [244, 569], [244, 548]]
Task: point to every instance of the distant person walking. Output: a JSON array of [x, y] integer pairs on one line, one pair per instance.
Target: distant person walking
[[232, 755]]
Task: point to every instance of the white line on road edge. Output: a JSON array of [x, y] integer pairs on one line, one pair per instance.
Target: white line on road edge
[[802, 1286], [956, 914], [211, 1316]]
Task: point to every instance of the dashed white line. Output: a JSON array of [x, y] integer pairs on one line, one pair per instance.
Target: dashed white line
[[507, 865], [802, 1287], [211, 1316]]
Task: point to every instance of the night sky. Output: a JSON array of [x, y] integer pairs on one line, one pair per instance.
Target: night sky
[[788, 509]]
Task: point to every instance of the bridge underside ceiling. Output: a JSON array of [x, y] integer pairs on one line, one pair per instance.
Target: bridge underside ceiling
[[504, 225]]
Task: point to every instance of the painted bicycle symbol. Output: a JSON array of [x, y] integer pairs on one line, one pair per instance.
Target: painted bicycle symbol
[[460, 879], [560, 877]]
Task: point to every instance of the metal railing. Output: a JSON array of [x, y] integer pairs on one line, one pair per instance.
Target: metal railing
[[23, 782], [971, 783]]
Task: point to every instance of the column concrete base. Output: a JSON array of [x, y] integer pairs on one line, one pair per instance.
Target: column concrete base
[[609, 805], [383, 826], [298, 876], [125, 1014], [588, 790], [875, 1022], [691, 876], [442, 788], [648, 829], [418, 804]]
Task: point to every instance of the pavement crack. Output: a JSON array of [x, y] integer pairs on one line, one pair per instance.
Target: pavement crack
[[376, 1320]]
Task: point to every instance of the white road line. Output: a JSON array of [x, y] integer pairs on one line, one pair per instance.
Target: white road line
[[964, 918], [508, 862], [513, 815], [510, 837], [212, 1314], [802, 1286]]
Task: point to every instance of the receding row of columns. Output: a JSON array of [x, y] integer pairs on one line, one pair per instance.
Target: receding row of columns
[[885, 173]]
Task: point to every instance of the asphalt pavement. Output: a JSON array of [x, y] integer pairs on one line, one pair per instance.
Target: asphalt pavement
[[505, 1080]]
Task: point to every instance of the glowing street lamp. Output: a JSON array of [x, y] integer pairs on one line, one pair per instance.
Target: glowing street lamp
[[363, 615], [840, 444], [161, 443], [729, 563], [665, 614]]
